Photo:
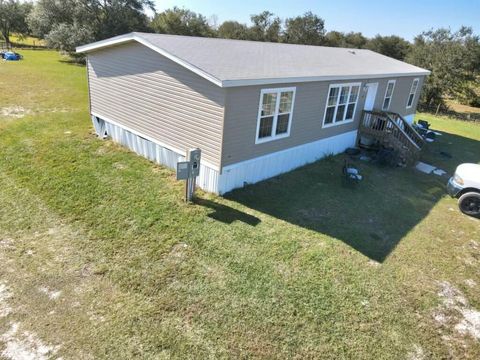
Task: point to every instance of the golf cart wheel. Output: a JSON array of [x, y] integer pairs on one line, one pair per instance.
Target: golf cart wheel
[[469, 204]]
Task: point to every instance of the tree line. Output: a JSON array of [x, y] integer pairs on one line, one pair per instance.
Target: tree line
[[306, 29], [452, 56]]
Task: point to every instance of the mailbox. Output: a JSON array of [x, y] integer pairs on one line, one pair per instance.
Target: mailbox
[[195, 156]]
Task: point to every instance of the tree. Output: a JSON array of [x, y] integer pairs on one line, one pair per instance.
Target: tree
[[472, 45], [66, 37], [393, 46], [308, 29], [355, 40], [334, 39], [448, 55], [13, 18], [233, 30], [48, 14], [350, 40], [69, 23], [181, 22], [114, 17], [266, 27]]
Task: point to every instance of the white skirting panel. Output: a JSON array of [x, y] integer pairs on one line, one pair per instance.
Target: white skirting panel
[[208, 178], [264, 167], [232, 176]]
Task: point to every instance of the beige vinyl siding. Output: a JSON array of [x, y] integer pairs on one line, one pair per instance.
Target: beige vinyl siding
[[400, 94], [307, 118], [308, 113], [148, 93]]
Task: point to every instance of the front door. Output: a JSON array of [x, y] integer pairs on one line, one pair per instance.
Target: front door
[[371, 94]]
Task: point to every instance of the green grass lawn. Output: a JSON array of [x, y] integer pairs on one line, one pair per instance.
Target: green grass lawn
[[101, 258]]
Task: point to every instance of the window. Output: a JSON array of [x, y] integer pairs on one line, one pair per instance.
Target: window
[[275, 114], [341, 103], [388, 95], [413, 91]]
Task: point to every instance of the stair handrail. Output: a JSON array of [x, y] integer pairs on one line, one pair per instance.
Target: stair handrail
[[386, 116], [410, 127], [403, 132]]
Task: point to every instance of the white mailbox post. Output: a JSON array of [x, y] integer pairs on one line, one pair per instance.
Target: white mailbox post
[[189, 170]]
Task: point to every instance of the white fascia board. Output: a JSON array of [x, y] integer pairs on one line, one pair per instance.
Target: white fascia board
[[133, 37], [250, 82], [105, 43]]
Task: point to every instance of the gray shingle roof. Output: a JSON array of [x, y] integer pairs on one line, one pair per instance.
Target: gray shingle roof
[[237, 62]]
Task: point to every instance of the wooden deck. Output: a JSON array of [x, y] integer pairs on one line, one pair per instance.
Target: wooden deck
[[392, 131]]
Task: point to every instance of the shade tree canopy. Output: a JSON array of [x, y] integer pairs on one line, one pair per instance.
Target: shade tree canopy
[[13, 18]]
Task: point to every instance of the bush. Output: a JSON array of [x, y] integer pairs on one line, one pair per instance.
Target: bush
[[467, 95]]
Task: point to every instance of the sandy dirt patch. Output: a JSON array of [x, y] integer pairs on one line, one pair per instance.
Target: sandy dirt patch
[[16, 112], [17, 344], [417, 353], [52, 294], [5, 294], [456, 310], [25, 345]]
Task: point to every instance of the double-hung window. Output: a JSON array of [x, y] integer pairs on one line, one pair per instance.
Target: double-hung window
[[275, 114], [341, 103], [413, 91], [388, 95]]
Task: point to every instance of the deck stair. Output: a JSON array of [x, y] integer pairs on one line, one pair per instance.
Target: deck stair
[[392, 131]]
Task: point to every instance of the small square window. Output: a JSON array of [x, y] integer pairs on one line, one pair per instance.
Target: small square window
[[333, 96], [286, 102], [340, 113], [266, 125], [354, 94], [350, 111], [282, 124], [344, 95], [269, 101], [386, 103], [329, 115]]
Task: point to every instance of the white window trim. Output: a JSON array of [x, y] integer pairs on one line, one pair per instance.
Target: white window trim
[[275, 115], [391, 96], [346, 105], [414, 93]]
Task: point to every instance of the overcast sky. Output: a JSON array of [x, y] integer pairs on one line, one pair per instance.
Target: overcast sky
[[406, 18]]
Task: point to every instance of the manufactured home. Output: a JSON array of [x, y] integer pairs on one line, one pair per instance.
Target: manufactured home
[[255, 109]]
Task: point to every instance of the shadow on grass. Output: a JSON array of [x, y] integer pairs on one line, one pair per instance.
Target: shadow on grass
[[73, 61], [372, 216], [227, 214]]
